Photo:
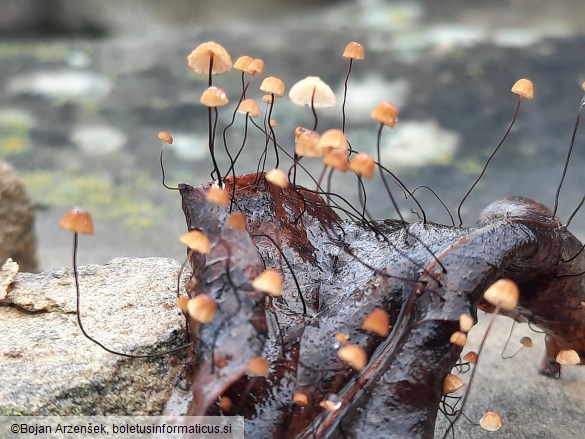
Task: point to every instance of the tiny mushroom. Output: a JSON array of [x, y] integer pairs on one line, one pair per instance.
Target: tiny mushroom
[[307, 143], [273, 85], [452, 383], [165, 137], [568, 357], [270, 282], [201, 58], [237, 221], [353, 355], [354, 50], [258, 366], [214, 97], [458, 338], [312, 91], [377, 322], [490, 421], [277, 177], [249, 107], [218, 196], [385, 113], [197, 241], [523, 88], [503, 293], [363, 164], [202, 308], [77, 220]]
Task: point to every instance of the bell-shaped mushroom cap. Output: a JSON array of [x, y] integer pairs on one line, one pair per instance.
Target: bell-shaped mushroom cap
[[471, 357], [307, 143], [218, 196], [199, 59], [273, 85], [337, 159], [202, 308], [363, 164], [354, 51], [333, 139], [242, 64], [258, 366], [523, 88], [237, 221], [452, 383], [165, 137], [526, 342], [256, 66], [77, 220], [270, 282], [466, 322], [214, 97], [312, 89], [249, 107], [277, 177], [568, 357], [385, 113], [353, 355], [377, 322], [197, 241], [301, 399], [225, 403], [490, 421], [267, 99], [503, 293], [458, 338]]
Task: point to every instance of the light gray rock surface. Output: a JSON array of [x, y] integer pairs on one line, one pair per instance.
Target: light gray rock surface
[[47, 366]]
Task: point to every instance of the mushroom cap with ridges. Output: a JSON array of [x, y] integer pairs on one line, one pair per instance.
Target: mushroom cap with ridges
[[197, 241], [249, 107], [385, 113], [165, 137], [214, 97], [503, 293], [270, 282], [377, 322], [242, 63], [568, 357], [199, 58], [277, 177], [258, 366], [77, 220], [337, 159], [363, 164], [333, 139], [312, 88], [202, 308], [452, 383], [256, 66], [490, 421], [353, 355], [523, 88], [218, 196], [354, 50], [273, 85]]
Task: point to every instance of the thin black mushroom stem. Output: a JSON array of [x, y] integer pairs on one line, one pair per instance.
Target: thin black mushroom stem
[[166, 139], [79, 221], [557, 194], [274, 87], [353, 51], [525, 90]]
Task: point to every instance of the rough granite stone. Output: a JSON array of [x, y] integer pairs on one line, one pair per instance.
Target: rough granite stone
[[48, 367]]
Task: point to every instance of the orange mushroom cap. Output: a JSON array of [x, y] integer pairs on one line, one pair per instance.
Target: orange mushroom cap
[[165, 137], [202, 308], [277, 177], [503, 293], [242, 63], [354, 51], [377, 322], [270, 282], [273, 85], [199, 58], [214, 97], [523, 88], [385, 113], [363, 164], [353, 355], [77, 220], [249, 107], [196, 240]]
